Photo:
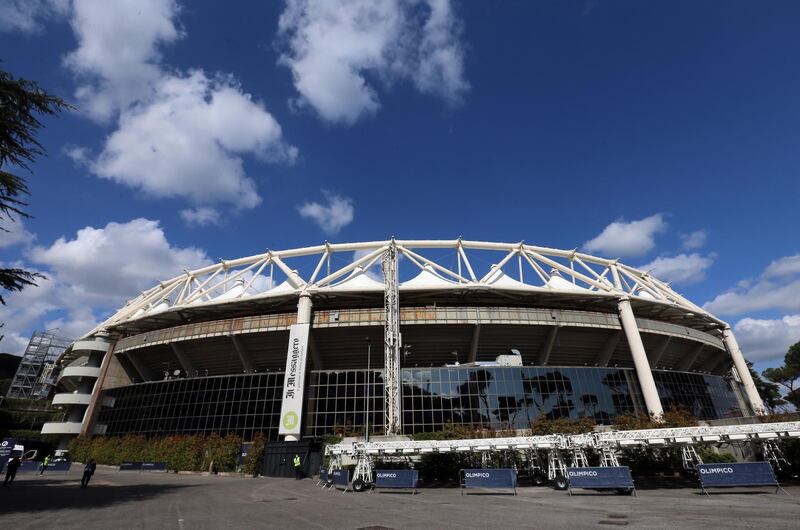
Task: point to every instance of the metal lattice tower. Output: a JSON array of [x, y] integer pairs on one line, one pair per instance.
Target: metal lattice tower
[[35, 375], [392, 340]]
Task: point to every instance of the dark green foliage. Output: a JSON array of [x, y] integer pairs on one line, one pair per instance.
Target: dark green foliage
[[254, 461], [21, 102], [180, 452], [788, 375]]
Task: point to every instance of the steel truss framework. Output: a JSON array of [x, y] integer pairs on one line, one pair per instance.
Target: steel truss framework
[[517, 268], [552, 452]]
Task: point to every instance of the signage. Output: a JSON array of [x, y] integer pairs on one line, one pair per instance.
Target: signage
[[490, 478], [6, 448], [293, 380], [323, 475], [243, 450], [130, 466], [341, 477], [154, 466], [396, 478], [738, 474], [31, 466], [600, 477]]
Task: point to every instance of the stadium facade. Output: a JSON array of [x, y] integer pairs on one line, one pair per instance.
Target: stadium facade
[[399, 337]]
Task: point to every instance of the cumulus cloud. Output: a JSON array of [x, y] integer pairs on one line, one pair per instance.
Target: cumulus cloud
[[185, 142], [767, 340], [778, 287], [336, 50], [682, 268], [90, 275], [786, 266], [117, 59], [179, 134], [694, 240], [628, 239], [27, 16], [202, 216], [330, 217], [14, 233]]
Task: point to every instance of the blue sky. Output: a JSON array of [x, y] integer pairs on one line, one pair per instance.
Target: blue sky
[[662, 133]]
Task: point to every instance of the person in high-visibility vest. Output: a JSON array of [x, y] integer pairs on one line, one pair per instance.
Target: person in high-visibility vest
[[298, 470], [44, 465]]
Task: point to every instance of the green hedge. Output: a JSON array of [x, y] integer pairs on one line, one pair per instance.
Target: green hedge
[[180, 452]]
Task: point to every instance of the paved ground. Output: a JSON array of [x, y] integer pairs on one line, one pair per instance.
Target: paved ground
[[156, 500]]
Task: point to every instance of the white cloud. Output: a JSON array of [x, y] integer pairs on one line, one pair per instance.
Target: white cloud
[[117, 58], [694, 240], [202, 216], [179, 134], [27, 16], [628, 239], [767, 340], [185, 142], [14, 233], [336, 49], [778, 287], [759, 296], [682, 268], [90, 275], [330, 217], [786, 266]]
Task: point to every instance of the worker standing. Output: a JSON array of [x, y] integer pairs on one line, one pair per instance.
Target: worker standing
[[298, 470]]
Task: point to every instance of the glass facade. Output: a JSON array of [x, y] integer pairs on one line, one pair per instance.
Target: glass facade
[[482, 397]]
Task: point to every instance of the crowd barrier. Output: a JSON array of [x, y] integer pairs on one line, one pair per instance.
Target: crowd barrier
[[143, 466], [341, 479], [489, 479], [396, 479], [32, 466], [323, 477], [601, 478], [738, 475]]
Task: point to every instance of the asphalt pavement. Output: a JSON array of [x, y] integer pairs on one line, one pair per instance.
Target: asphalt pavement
[[117, 499]]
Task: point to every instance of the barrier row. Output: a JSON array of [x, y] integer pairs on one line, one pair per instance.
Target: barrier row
[[143, 466], [615, 478]]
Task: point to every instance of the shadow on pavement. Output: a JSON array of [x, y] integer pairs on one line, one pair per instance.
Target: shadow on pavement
[[51, 494]]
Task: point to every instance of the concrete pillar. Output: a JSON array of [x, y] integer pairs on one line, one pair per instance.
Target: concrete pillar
[[184, 360], [473, 345], [244, 355], [643, 373], [544, 355], [144, 372], [604, 355], [654, 356], [689, 359], [744, 373], [294, 379]]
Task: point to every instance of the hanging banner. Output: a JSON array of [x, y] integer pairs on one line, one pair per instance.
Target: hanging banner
[[293, 381]]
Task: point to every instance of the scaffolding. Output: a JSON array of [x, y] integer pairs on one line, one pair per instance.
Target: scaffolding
[[36, 374]]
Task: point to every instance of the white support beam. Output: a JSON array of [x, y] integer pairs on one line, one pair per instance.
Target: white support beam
[[184, 360], [643, 372], [244, 355], [750, 389], [544, 355], [605, 354]]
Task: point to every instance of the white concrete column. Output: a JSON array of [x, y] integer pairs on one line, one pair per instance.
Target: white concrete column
[[643, 373], [744, 373], [294, 379]]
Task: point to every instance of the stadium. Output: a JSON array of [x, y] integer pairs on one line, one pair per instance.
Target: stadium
[[399, 337]]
